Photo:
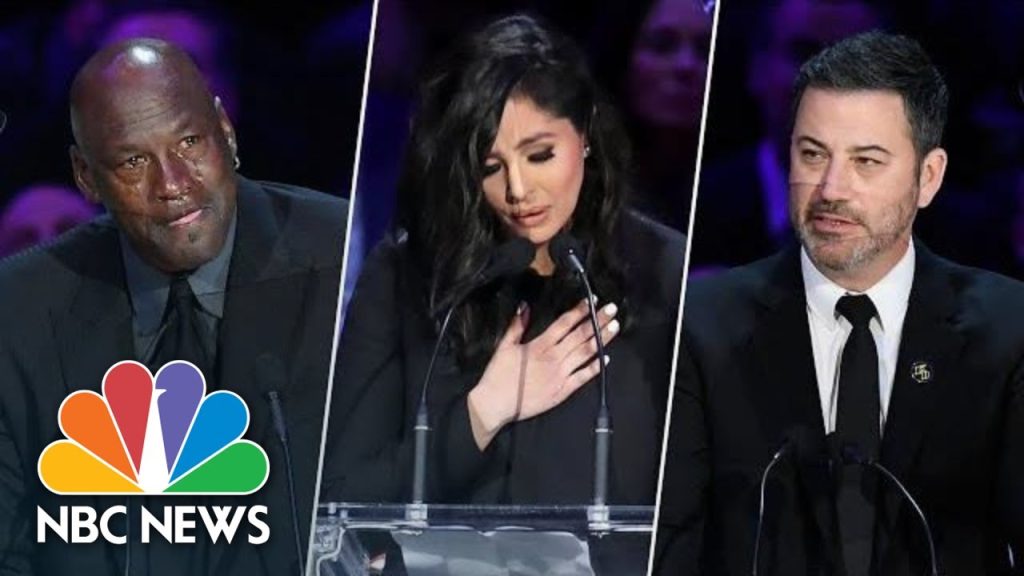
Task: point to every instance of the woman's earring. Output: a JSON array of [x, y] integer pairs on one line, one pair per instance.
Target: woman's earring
[[586, 151]]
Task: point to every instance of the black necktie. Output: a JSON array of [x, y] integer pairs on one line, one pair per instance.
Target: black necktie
[[182, 337], [857, 426]]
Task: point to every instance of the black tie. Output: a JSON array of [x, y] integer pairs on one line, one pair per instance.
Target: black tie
[[182, 337], [857, 426]]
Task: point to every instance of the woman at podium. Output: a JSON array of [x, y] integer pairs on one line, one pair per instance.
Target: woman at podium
[[512, 138]]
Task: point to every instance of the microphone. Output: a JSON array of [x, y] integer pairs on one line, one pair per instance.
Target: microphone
[[508, 259], [800, 442], [850, 454], [567, 253], [270, 378]]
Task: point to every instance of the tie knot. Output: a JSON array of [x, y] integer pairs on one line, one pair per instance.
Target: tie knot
[[859, 310], [180, 288]]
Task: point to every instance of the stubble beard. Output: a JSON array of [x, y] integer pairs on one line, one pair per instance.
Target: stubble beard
[[846, 254]]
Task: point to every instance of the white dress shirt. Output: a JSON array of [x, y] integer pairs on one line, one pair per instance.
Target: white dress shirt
[[829, 330]]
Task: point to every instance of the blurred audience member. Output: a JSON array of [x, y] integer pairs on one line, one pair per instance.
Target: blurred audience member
[[665, 94], [200, 34], [398, 47], [70, 39], [39, 213], [1017, 227], [743, 198]]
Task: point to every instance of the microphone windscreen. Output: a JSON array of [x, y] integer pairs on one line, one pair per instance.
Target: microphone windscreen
[[561, 246], [511, 257], [807, 445], [271, 378], [269, 374], [845, 452], [851, 454]]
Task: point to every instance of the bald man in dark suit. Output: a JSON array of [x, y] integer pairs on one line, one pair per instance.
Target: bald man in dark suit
[[236, 269]]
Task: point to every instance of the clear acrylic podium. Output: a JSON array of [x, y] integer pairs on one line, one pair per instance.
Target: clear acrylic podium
[[484, 540]]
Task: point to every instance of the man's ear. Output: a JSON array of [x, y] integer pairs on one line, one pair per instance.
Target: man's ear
[[83, 175], [933, 169], [226, 126]]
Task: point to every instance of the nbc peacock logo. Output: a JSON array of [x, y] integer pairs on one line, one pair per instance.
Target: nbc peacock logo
[[147, 435]]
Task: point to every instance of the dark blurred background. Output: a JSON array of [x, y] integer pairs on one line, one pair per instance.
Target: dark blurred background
[[290, 77], [650, 55], [977, 217]]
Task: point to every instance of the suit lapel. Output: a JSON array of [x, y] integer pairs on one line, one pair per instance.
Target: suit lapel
[[264, 312], [786, 389], [928, 357], [782, 345], [266, 300], [929, 349], [95, 330]]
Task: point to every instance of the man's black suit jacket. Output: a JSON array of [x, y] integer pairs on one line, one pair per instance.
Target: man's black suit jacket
[[66, 317], [746, 381]]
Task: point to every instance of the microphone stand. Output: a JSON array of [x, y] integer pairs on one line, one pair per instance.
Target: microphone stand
[[603, 422], [849, 454], [422, 429], [799, 442], [281, 429], [598, 514], [760, 508], [920, 513], [508, 258]]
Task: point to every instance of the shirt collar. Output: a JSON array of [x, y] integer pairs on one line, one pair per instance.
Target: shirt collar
[[889, 295], [149, 287]]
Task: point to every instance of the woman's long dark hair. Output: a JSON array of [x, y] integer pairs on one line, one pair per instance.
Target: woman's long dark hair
[[451, 228]]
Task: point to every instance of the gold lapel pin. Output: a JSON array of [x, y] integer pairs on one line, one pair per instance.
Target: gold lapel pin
[[921, 372]]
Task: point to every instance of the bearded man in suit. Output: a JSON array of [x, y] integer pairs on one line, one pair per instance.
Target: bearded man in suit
[[858, 346]]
